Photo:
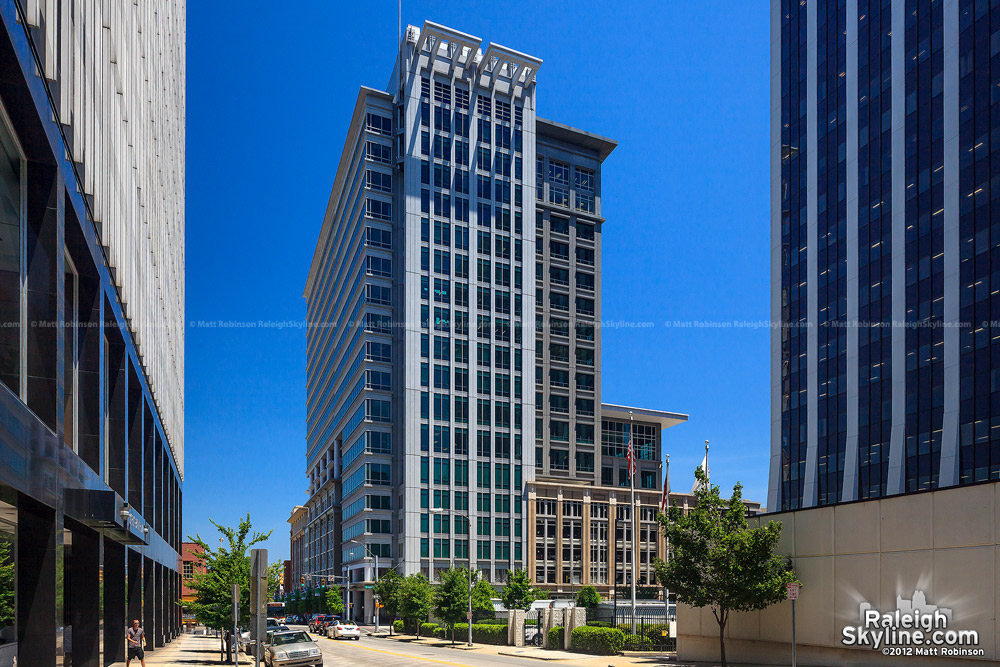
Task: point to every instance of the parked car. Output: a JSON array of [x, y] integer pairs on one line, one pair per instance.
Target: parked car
[[343, 629], [292, 649]]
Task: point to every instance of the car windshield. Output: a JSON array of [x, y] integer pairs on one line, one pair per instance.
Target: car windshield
[[290, 638]]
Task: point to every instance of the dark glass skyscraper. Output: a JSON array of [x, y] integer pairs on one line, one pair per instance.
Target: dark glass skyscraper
[[91, 327], [883, 242]]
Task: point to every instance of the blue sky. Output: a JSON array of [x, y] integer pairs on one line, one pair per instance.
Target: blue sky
[[683, 88]]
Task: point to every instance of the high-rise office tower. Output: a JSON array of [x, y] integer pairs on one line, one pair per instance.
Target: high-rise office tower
[[883, 234], [423, 428], [91, 326]]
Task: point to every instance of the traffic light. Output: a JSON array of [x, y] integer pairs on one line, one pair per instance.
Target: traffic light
[[302, 581]]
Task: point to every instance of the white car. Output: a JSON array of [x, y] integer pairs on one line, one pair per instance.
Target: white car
[[338, 629]]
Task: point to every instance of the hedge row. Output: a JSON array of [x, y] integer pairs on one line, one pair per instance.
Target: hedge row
[[555, 638], [427, 629], [483, 633], [491, 621], [597, 641], [639, 642], [397, 627]]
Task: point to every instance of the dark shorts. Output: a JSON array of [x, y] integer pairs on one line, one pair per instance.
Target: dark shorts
[[136, 652]]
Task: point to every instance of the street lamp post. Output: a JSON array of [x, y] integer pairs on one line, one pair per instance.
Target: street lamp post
[[375, 557], [468, 521]]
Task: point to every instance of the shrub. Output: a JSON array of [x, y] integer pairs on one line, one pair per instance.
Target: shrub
[[427, 629], [654, 632], [491, 621], [483, 633], [397, 627], [639, 642], [555, 638], [599, 624], [442, 633], [597, 641]]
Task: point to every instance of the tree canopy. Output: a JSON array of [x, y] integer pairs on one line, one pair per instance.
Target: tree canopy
[[451, 598], [274, 573], [415, 600], [588, 597], [334, 601], [7, 569], [518, 593], [482, 593], [717, 560], [227, 565], [387, 589]]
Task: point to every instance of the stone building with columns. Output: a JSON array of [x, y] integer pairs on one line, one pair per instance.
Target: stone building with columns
[[581, 530]]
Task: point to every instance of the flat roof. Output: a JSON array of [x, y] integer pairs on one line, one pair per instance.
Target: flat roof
[[664, 419], [560, 132]]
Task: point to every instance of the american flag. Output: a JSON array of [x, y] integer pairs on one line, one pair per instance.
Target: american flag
[[630, 457]]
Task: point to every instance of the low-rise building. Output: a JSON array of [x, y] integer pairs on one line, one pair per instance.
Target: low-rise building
[[581, 530], [191, 564], [294, 566]]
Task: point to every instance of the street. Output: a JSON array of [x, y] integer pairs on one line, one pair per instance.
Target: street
[[378, 652]]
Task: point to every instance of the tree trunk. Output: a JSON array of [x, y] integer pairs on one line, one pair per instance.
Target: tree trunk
[[722, 642]]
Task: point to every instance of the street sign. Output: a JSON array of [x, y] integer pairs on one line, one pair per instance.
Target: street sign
[[468, 615], [793, 595], [329, 580], [793, 591], [258, 601], [369, 586]]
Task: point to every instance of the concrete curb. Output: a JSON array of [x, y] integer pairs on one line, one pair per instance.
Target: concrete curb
[[548, 655]]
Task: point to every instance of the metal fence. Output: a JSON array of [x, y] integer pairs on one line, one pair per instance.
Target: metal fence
[[497, 617], [651, 626], [533, 627]]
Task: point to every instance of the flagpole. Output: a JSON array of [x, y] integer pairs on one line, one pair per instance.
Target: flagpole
[[706, 465], [631, 438], [666, 556]]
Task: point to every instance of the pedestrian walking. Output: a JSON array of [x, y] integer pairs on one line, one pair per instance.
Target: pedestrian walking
[[135, 642]]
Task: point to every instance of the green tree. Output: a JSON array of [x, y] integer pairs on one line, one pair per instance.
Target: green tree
[[482, 592], [588, 597], [387, 590], [309, 600], [518, 593], [415, 600], [225, 566], [274, 573], [6, 585], [451, 598], [717, 560], [334, 601]]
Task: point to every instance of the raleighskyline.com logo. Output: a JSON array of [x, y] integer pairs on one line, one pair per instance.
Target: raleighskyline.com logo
[[914, 628]]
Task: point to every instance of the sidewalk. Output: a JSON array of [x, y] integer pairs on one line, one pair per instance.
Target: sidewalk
[[541, 654], [186, 651]]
